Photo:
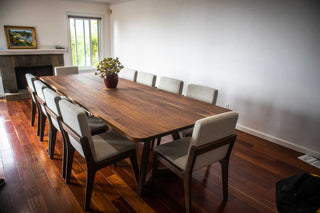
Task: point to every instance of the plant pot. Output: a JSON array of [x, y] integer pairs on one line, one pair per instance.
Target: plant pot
[[111, 80]]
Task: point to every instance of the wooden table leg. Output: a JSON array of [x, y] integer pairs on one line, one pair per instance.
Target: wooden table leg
[[143, 166]]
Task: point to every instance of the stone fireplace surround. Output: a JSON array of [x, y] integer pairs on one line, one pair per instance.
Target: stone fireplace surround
[[9, 59]]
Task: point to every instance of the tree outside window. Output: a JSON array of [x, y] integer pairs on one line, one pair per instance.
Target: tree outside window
[[84, 34]]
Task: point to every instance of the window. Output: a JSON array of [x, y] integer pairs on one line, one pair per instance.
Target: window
[[84, 37]]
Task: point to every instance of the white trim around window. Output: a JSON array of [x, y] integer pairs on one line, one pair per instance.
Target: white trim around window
[[101, 26]]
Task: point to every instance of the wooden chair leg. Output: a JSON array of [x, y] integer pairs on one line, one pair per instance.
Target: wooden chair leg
[[64, 159], [39, 114], [224, 171], [52, 139], [70, 154], [42, 125], [134, 162], [33, 112], [187, 192], [64, 154], [89, 186]]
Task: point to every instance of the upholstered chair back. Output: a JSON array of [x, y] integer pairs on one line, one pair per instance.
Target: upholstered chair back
[[146, 79], [210, 129], [30, 78], [66, 70], [128, 74], [52, 102], [202, 93], [171, 85], [39, 87], [76, 119]]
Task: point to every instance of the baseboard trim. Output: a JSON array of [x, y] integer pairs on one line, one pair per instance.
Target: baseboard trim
[[279, 141]]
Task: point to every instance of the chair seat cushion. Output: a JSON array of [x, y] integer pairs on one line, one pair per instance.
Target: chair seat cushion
[[110, 144], [176, 152], [96, 126]]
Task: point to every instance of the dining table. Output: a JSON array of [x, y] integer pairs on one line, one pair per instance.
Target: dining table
[[140, 113]]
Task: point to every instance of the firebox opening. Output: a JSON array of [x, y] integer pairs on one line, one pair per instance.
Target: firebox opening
[[34, 70]]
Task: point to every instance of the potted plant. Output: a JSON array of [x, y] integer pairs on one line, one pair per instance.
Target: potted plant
[[108, 69]]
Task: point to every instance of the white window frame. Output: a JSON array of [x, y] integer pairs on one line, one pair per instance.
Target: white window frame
[[100, 36]]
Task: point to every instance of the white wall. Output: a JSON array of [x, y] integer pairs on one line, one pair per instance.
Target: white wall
[[262, 56], [49, 17]]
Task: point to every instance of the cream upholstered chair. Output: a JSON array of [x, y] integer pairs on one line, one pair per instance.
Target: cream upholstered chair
[[171, 85], [146, 79], [66, 70], [99, 151], [212, 141], [200, 93], [128, 74], [54, 117], [30, 78], [42, 114]]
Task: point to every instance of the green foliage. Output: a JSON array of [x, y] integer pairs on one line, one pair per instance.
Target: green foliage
[[108, 66], [95, 53], [81, 44], [94, 42]]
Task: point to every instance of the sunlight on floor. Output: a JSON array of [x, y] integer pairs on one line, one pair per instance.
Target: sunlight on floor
[[5, 147]]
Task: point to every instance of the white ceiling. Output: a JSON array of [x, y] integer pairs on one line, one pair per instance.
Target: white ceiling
[[103, 1]]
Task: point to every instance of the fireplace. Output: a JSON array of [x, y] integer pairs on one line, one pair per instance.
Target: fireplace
[[14, 64], [34, 70]]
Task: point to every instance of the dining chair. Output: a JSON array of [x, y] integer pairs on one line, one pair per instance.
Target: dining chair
[[66, 70], [30, 78], [54, 116], [212, 141], [128, 74], [99, 151], [171, 85], [42, 114], [200, 93], [146, 79]]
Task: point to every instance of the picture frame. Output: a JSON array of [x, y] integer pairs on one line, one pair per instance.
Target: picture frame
[[19, 37]]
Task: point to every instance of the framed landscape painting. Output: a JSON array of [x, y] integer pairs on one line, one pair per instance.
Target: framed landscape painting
[[20, 37]]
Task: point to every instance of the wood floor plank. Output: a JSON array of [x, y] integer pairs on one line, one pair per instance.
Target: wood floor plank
[[34, 196], [131, 197], [98, 199], [12, 192]]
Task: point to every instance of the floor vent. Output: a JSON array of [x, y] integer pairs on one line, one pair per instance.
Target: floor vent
[[310, 160]]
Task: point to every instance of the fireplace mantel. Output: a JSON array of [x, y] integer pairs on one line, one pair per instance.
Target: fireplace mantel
[[32, 51]]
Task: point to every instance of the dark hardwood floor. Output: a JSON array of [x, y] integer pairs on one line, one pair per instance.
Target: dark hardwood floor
[[34, 182]]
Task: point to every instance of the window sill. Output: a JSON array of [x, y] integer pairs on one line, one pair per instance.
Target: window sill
[[87, 69]]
